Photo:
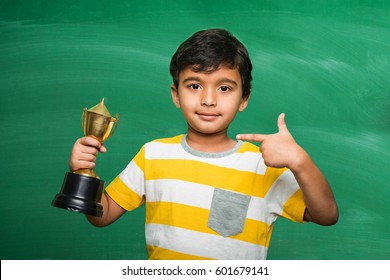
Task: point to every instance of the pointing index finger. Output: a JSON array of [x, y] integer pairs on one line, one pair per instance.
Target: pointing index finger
[[252, 137]]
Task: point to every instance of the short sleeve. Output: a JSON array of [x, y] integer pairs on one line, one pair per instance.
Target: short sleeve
[[128, 188], [285, 198]]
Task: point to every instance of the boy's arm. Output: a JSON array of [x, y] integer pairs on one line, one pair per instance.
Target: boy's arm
[[83, 155], [111, 212], [280, 150]]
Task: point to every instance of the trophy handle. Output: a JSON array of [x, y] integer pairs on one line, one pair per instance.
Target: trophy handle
[[116, 121], [83, 120], [111, 128]]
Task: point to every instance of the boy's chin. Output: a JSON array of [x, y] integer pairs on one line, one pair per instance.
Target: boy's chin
[[207, 132]]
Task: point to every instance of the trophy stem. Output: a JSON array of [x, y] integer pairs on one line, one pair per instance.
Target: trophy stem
[[87, 172]]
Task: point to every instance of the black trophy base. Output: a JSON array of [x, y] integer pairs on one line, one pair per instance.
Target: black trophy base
[[80, 193]]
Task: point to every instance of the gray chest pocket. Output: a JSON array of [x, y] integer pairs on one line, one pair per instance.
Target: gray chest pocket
[[228, 212]]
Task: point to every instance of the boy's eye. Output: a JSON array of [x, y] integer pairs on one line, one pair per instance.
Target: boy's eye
[[194, 86], [224, 88]]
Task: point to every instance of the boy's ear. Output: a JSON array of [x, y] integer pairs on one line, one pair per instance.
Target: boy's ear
[[244, 103], [175, 96]]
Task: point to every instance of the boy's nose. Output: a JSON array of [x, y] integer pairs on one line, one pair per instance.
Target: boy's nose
[[209, 98]]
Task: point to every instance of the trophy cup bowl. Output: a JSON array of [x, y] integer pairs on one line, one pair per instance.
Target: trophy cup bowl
[[82, 189]]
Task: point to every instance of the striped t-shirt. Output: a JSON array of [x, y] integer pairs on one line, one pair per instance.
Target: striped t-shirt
[[206, 205]]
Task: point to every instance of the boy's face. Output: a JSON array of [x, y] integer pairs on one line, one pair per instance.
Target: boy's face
[[209, 101]]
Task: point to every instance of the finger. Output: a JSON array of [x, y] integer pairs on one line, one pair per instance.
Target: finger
[[88, 156], [87, 164], [282, 126], [82, 164], [252, 137], [92, 148], [77, 158], [103, 149], [90, 141], [75, 164]]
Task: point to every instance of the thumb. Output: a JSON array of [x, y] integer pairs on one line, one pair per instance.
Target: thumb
[[282, 126]]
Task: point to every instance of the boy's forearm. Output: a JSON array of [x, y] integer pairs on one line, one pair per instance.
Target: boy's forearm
[[111, 212], [320, 202], [100, 221]]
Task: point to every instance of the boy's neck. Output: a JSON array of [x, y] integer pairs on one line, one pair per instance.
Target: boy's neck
[[210, 143]]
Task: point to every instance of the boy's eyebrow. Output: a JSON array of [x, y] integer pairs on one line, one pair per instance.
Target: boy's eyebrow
[[189, 79], [227, 80], [197, 79]]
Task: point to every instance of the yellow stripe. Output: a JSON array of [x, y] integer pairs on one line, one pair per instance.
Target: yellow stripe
[[268, 235], [157, 253], [196, 219], [294, 208], [172, 140], [207, 174], [139, 158], [248, 147], [122, 195]]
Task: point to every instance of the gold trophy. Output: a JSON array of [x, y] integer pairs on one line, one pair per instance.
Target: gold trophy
[[82, 189]]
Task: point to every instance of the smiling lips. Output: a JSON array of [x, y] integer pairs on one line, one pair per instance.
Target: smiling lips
[[207, 116]]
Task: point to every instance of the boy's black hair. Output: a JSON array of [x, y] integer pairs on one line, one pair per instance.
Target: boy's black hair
[[208, 50]]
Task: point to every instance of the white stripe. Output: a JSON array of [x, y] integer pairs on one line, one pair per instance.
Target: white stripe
[[177, 191], [197, 195], [133, 177], [247, 161], [158, 150], [258, 211], [281, 190], [201, 244]]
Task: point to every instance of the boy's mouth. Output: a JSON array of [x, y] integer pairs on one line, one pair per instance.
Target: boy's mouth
[[207, 116]]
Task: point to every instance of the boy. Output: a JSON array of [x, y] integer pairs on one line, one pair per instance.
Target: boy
[[208, 196]]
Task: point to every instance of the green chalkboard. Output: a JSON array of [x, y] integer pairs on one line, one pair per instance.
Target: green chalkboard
[[326, 64]]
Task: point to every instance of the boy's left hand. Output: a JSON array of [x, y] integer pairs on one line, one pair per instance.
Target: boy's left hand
[[279, 149]]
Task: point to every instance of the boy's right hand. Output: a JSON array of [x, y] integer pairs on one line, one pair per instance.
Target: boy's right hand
[[84, 153]]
